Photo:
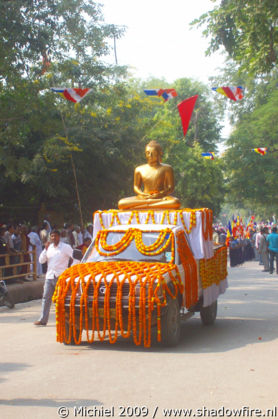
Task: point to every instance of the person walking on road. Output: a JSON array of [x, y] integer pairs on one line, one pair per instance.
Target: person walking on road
[[263, 250], [272, 240], [58, 256]]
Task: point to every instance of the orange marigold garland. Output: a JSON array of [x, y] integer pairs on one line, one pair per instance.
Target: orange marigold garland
[[207, 217], [190, 268], [149, 279], [214, 270], [129, 235]]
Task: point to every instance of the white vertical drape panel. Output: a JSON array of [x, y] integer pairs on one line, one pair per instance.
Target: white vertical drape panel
[[210, 294]]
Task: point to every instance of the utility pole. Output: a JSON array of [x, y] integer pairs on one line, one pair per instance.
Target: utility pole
[[115, 49]]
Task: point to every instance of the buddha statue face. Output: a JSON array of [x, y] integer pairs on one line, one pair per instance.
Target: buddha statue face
[[153, 153]]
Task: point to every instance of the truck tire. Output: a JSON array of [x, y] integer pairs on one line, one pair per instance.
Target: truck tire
[[208, 314], [170, 324]]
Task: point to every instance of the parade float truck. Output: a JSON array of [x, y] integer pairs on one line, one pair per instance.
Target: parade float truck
[[143, 273]]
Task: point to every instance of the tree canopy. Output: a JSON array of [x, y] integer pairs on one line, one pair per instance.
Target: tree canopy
[[45, 141], [247, 30], [252, 178]]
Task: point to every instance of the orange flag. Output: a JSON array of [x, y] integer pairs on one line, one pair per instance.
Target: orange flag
[[185, 109]]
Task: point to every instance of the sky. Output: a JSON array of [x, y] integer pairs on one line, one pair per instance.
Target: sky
[[159, 42]]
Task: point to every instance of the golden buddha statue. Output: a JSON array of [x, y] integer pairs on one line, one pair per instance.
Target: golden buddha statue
[[157, 179]]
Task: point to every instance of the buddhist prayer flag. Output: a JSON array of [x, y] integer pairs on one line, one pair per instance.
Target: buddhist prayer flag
[[230, 227], [185, 109], [165, 93], [74, 95], [232, 92], [261, 150], [209, 155]]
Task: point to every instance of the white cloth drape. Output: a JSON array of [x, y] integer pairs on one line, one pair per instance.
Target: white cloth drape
[[210, 294], [201, 248]]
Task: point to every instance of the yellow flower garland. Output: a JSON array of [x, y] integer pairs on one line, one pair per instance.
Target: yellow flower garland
[[154, 249], [214, 270], [165, 217]]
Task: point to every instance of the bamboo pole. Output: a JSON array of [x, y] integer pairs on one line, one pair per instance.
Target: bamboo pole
[[74, 173]]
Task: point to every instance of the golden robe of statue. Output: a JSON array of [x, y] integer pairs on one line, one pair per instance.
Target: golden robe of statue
[[153, 183]]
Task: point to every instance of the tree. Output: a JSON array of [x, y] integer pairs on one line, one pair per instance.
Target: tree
[[72, 40], [251, 178], [199, 183], [247, 30], [66, 32]]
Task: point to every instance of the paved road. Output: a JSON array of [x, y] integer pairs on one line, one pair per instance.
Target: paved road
[[227, 366]]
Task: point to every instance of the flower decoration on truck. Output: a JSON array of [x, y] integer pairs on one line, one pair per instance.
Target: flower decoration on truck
[[214, 270], [107, 319], [165, 236], [168, 217]]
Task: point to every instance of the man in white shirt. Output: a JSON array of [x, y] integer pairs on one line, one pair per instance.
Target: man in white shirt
[[257, 244], [78, 236], [8, 238], [35, 241], [57, 255]]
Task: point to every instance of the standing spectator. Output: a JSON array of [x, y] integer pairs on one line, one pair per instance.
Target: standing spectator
[[10, 246], [89, 232], [78, 236], [215, 236], [16, 238], [47, 222], [272, 240], [70, 228], [248, 250], [222, 236], [25, 242], [8, 238], [58, 256], [63, 236], [35, 241], [257, 244], [263, 250], [44, 236], [3, 250], [84, 246]]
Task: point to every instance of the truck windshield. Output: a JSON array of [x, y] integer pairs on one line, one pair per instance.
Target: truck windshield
[[131, 252]]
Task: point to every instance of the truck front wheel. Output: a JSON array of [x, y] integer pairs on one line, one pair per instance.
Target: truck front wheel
[[208, 314], [170, 324]]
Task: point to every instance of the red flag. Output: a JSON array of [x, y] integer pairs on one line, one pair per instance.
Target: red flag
[[185, 109]]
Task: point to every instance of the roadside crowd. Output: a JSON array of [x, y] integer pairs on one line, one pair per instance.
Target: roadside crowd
[[258, 242], [20, 239]]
